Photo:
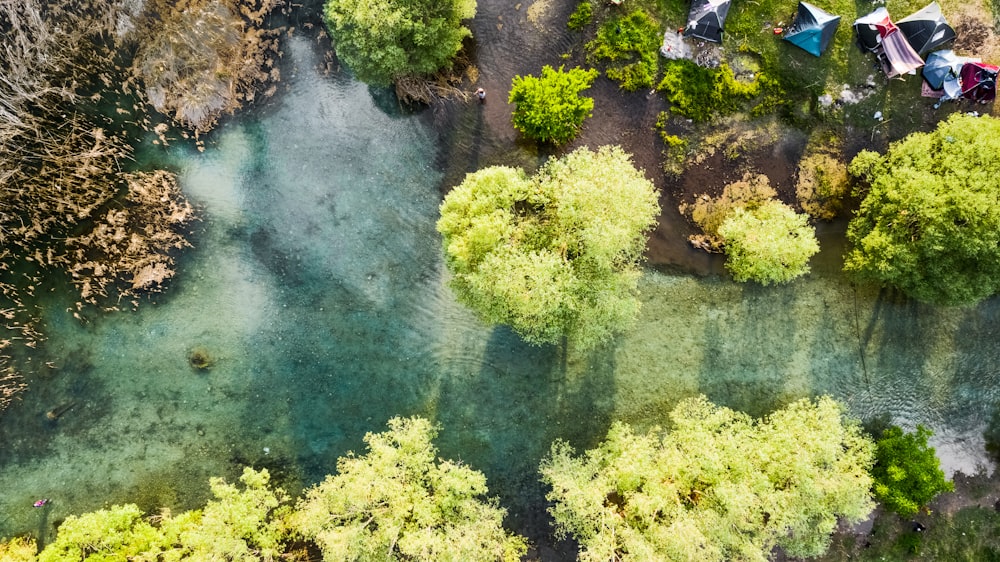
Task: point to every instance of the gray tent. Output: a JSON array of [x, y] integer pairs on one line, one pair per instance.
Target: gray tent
[[942, 71], [926, 29], [867, 28], [706, 19]]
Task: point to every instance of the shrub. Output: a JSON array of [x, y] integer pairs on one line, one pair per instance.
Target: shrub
[[768, 244], [630, 44], [550, 108], [907, 473], [581, 17], [701, 93]]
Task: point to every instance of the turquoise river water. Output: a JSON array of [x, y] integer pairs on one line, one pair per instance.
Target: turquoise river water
[[317, 288]]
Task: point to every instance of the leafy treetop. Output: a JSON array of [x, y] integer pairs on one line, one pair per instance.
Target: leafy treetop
[[382, 40], [929, 223], [907, 473], [768, 243], [399, 503], [719, 486], [553, 255]]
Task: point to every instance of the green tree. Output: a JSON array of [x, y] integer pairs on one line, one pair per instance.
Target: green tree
[[383, 40], [907, 473], [553, 255], [929, 223], [719, 486], [768, 243], [239, 524], [398, 503], [116, 534], [550, 108], [18, 549]]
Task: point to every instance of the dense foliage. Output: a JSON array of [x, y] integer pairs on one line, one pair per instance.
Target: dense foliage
[[768, 243], [719, 486], [383, 40], [929, 223], [701, 93], [398, 502], [554, 255], [629, 45], [581, 16], [907, 473], [550, 108], [237, 525]]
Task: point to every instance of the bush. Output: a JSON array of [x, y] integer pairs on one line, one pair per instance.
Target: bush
[[631, 46], [581, 17], [550, 108], [702, 93], [554, 255], [769, 244], [907, 474], [384, 40]]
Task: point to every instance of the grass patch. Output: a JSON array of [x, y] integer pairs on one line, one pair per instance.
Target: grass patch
[[581, 16]]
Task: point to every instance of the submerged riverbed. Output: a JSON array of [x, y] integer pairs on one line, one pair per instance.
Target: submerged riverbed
[[317, 291]]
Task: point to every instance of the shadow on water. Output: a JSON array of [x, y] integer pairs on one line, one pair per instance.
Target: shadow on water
[[500, 414]]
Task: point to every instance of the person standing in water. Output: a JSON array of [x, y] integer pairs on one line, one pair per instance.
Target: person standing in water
[[481, 94]]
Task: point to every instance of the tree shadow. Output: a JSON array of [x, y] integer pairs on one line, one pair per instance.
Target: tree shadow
[[503, 417]]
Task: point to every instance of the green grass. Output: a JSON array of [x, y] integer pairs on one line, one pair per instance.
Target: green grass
[[972, 534], [628, 45]]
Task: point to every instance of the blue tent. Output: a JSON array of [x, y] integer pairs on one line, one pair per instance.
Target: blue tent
[[813, 29], [942, 72]]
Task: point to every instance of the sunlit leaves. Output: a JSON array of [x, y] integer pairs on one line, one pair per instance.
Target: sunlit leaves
[[556, 254], [382, 40], [398, 502], [907, 472], [768, 243], [550, 108], [718, 486], [930, 221]]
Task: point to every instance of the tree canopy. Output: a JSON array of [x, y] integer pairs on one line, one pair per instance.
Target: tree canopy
[[929, 223], [550, 108], [382, 40], [718, 486], [768, 243], [555, 254], [399, 503], [907, 473]]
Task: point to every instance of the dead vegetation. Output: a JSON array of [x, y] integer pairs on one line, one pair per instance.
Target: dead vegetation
[[206, 58]]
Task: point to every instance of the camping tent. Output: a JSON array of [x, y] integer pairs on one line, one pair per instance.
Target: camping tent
[[877, 33], [942, 71], [979, 81], [867, 27], [813, 28], [706, 19], [926, 29]]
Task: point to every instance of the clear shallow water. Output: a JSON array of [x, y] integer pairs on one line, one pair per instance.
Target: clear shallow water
[[317, 287]]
